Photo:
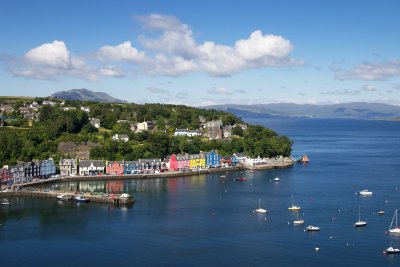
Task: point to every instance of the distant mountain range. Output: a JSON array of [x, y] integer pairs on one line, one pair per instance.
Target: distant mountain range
[[86, 95], [345, 110]]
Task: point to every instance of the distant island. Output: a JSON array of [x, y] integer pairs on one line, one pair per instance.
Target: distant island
[[345, 110]]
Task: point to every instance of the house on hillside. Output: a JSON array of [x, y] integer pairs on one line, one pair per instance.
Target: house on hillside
[[47, 168], [186, 132], [214, 129], [120, 137], [95, 122], [145, 126]]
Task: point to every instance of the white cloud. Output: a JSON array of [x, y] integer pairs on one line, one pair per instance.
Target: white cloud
[[51, 61], [168, 66], [121, 52], [371, 71], [369, 88], [341, 92], [219, 91], [111, 71]]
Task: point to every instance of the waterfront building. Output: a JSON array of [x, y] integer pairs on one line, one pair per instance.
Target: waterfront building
[[186, 132], [213, 159], [241, 158], [255, 161], [32, 170], [91, 167], [47, 168], [17, 173], [173, 163], [226, 161], [183, 162], [150, 165], [197, 161], [68, 167], [5, 175], [132, 167], [234, 160], [115, 168]]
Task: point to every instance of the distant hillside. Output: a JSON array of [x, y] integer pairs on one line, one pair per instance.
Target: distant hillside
[[345, 110], [86, 95]]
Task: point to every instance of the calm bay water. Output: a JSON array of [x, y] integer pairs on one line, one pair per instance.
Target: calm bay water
[[206, 220]]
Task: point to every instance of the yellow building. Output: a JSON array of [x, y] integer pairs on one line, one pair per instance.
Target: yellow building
[[197, 161]]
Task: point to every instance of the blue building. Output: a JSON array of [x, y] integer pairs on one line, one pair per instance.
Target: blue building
[[47, 168], [213, 159], [132, 167]]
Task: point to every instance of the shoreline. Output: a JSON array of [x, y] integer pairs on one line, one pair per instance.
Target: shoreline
[[168, 174]]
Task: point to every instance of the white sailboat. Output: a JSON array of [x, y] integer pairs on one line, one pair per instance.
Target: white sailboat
[[298, 220], [294, 207], [260, 210], [359, 223], [396, 229]]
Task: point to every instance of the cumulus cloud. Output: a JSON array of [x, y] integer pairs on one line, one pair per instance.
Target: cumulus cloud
[[123, 52], [371, 71], [155, 90], [219, 91], [369, 88], [51, 61], [171, 50]]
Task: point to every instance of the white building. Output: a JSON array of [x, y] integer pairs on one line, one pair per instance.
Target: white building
[[145, 126], [95, 122], [186, 132], [255, 161], [120, 137], [91, 167]]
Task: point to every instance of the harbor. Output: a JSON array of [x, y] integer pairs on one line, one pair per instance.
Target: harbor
[[111, 199]]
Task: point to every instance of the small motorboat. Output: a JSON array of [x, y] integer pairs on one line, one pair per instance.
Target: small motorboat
[[222, 176], [82, 199], [277, 179], [311, 228], [381, 212], [64, 197], [125, 195], [365, 192], [5, 202], [303, 159], [391, 250], [241, 179]]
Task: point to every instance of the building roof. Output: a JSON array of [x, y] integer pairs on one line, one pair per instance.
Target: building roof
[[87, 163]]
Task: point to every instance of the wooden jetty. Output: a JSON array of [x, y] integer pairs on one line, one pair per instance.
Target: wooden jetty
[[112, 199]]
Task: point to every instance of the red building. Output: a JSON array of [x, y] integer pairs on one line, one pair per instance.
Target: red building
[[115, 168], [5, 175], [173, 163]]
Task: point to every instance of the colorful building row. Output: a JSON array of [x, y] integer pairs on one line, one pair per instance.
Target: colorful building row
[[27, 171]]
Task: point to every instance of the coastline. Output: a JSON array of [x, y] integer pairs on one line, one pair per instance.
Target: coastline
[[284, 163]]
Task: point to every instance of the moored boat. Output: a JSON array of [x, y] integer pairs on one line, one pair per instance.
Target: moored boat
[[312, 228], [365, 192], [298, 220], [64, 197], [391, 250], [81, 199], [241, 179], [277, 179], [395, 229], [294, 207], [360, 223], [260, 210], [125, 195], [304, 159]]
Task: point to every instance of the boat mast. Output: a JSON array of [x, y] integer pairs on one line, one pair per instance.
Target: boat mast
[[394, 215]]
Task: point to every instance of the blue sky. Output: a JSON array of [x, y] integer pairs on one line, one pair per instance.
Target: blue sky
[[203, 52]]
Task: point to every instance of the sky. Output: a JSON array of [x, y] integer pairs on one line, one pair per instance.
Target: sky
[[203, 52]]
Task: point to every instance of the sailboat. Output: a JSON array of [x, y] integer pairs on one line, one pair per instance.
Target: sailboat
[[298, 220], [359, 223], [396, 229], [294, 207], [260, 210]]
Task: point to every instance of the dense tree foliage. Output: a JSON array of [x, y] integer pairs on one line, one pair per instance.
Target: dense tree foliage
[[54, 125]]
